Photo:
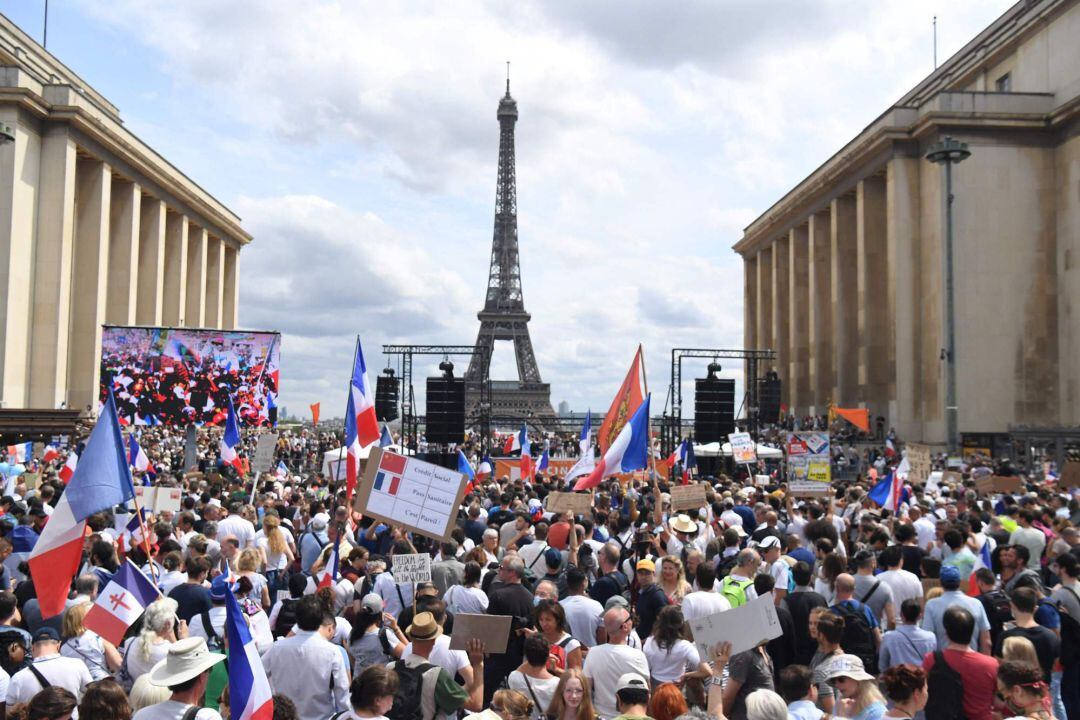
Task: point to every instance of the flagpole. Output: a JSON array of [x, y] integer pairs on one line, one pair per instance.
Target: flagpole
[[648, 424], [145, 537]]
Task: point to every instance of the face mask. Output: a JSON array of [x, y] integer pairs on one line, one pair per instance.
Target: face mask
[[537, 599]]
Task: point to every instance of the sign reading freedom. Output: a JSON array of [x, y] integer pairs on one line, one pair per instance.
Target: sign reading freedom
[[410, 493]]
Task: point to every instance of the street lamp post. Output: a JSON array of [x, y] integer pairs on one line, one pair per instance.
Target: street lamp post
[[948, 152]]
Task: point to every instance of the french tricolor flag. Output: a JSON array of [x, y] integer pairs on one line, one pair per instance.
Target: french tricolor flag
[[528, 470], [629, 452], [982, 560], [250, 697], [352, 448], [134, 532], [50, 454], [20, 453], [230, 441], [542, 466], [121, 603], [138, 458], [585, 463], [485, 468], [890, 492], [101, 481], [329, 574], [68, 471], [688, 460], [386, 439], [363, 400], [513, 442]]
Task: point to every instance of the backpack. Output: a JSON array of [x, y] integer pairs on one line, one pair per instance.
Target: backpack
[[725, 565], [945, 688], [858, 637], [622, 585], [735, 590], [409, 696], [286, 618]]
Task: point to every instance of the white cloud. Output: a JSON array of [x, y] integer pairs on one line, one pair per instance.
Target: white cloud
[[358, 141]]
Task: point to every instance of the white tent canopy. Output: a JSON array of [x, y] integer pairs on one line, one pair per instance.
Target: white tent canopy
[[715, 449], [333, 456]]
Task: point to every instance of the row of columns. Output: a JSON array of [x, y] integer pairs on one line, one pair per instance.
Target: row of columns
[[105, 251], [822, 297]]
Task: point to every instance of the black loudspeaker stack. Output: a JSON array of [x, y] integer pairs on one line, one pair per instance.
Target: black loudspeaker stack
[[386, 398], [714, 409], [445, 410], [769, 399]]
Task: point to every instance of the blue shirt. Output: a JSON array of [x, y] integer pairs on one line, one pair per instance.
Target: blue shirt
[[906, 644], [874, 711], [804, 710], [935, 611], [855, 605]]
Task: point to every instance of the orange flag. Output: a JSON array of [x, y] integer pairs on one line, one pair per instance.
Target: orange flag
[[625, 404], [315, 413], [859, 417]]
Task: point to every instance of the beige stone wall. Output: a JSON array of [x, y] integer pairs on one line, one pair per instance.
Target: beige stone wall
[[1067, 172]]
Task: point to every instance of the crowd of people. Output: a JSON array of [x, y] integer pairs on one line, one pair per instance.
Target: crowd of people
[[959, 605]]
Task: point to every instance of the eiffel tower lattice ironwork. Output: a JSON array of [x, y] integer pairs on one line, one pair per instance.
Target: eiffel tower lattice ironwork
[[504, 316]]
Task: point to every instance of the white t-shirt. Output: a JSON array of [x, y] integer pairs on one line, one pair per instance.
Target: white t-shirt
[[172, 710], [604, 665], [239, 528], [668, 665], [60, 671], [584, 616], [461, 599], [542, 691], [133, 653], [904, 585], [781, 573], [702, 604], [450, 660], [274, 561]]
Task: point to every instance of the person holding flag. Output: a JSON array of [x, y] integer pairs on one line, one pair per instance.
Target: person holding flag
[[586, 462], [230, 440], [528, 470]]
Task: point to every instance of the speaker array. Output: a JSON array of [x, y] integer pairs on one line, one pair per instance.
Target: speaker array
[[445, 410], [714, 409], [769, 399], [386, 398]]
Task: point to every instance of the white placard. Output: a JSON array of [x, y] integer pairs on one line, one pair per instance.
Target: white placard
[[159, 499], [743, 448], [410, 493], [412, 568], [745, 627], [264, 453]]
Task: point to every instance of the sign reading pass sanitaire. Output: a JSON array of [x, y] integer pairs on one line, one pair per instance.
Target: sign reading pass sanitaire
[[410, 493]]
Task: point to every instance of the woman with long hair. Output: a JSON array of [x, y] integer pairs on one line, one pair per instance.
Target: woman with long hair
[[832, 567], [857, 689], [673, 579], [511, 705], [52, 703], [667, 702], [160, 629], [276, 551], [905, 687], [468, 597], [105, 700], [98, 654], [550, 617], [672, 658], [370, 643], [1019, 648], [573, 698], [247, 565], [1023, 689]]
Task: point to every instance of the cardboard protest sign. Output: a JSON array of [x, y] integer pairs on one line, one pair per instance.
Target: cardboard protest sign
[[687, 497], [951, 477], [745, 627], [1007, 483], [918, 457], [494, 630], [984, 484], [30, 480], [410, 493], [264, 453], [158, 499], [743, 448], [576, 503], [1070, 475], [412, 568]]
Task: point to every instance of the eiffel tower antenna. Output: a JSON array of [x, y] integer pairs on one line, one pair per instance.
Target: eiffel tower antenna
[[504, 316]]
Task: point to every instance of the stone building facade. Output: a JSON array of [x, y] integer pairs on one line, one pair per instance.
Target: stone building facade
[[844, 274], [95, 228]]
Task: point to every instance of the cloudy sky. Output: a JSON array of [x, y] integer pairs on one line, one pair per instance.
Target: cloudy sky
[[358, 141]]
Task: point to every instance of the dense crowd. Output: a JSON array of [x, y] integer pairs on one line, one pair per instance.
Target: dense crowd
[[961, 605]]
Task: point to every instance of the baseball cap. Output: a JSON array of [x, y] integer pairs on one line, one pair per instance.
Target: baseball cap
[[616, 601], [45, 632], [320, 522], [552, 557], [769, 541], [631, 681], [950, 576], [646, 564], [219, 588], [372, 603]]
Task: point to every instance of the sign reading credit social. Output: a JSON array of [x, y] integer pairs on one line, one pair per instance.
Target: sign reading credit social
[[410, 493]]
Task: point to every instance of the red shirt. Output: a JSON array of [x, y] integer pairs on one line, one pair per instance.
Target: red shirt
[[979, 673]]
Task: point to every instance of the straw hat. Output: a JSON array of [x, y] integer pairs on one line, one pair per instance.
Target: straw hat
[[187, 659], [683, 524], [423, 627]]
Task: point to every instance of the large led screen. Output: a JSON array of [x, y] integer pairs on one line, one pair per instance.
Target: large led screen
[[170, 376]]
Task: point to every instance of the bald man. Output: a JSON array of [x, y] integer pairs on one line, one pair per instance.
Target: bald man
[[606, 663]]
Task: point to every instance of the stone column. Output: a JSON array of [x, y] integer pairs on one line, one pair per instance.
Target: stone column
[[764, 332], [52, 269], [231, 290], [124, 218], [781, 308], [215, 277], [819, 316], [873, 338], [20, 164], [90, 273], [151, 283], [844, 298], [798, 372], [195, 316], [175, 281], [902, 224], [750, 310]]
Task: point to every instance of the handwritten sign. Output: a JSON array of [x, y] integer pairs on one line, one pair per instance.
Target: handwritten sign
[[493, 630], [410, 493], [264, 453], [918, 457], [412, 568], [687, 497], [743, 448], [576, 503], [745, 627]]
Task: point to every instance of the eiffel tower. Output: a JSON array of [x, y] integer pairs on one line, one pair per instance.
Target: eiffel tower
[[504, 316]]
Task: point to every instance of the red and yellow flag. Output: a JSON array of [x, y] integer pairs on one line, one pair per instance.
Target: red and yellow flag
[[631, 394], [315, 413]]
